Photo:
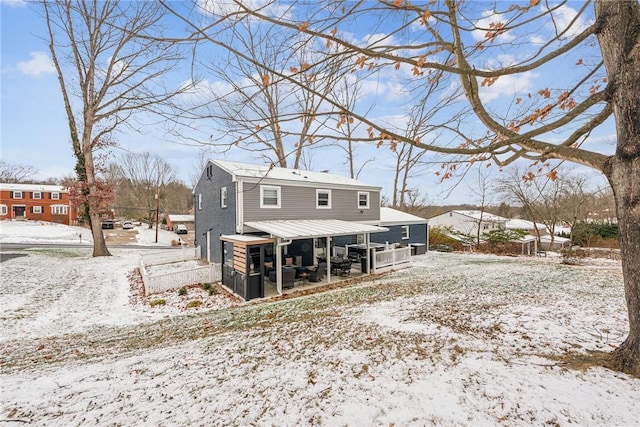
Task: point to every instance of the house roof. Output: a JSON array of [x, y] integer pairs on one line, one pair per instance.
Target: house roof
[[486, 216], [390, 216], [33, 187], [311, 228], [267, 172], [556, 239], [520, 224], [181, 218]]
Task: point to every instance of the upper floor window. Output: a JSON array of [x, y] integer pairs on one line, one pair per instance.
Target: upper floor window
[[17, 194], [36, 209], [323, 199], [209, 171], [37, 195], [405, 231], [269, 196], [223, 197], [59, 209], [200, 201], [363, 199], [55, 196], [3, 209]]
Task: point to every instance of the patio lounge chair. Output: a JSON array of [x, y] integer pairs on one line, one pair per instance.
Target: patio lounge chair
[[288, 277], [318, 273]]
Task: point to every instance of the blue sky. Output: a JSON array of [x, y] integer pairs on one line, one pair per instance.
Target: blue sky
[[34, 130]]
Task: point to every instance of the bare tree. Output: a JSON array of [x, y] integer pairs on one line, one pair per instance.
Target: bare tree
[[15, 172], [485, 45], [144, 182], [484, 190], [110, 65]]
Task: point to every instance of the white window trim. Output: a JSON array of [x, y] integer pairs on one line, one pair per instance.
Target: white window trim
[[323, 191], [36, 195], [37, 210], [200, 201], [3, 210], [405, 232], [64, 209], [15, 193], [55, 196], [278, 196], [223, 197], [364, 193]]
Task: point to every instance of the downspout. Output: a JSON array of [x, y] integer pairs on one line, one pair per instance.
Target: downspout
[[280, 243], [328, 258], [239, 206]]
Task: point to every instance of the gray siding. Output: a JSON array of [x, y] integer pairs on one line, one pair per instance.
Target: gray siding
[[300, 203], [211, 215]]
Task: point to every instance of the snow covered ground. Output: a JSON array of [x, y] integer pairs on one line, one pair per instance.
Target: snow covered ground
[[48, 232], [467, 340]]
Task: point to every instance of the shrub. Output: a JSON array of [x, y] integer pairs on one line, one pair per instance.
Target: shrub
[[194, 303], [206, 286], [182, 291], [157, 302]]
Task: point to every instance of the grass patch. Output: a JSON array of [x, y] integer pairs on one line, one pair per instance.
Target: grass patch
[[193, 304], [157, 302], [61, 253]]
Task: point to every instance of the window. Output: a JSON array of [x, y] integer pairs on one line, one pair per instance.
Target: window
[[59, 210], [405, 231], [363, 199], [223, 197], [36, 195], [3, 209], [199, 202], [209, 171], [323, 199], [17, 194], [55, 196], [36, 209], [269, 196]]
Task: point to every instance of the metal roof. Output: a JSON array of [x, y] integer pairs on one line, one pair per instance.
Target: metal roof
[[301, 177], [309, 228]]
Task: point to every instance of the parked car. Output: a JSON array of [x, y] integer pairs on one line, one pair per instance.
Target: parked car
[[107, 224], [127, 225], [180, 229]]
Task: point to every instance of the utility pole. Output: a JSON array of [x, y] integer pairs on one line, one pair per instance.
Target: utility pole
[[157, 215]]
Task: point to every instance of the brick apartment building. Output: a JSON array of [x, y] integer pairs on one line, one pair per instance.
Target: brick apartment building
[[36, 202]]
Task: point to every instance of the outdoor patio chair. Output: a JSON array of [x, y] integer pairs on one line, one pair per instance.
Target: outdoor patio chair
[[318, 273], [288, 277]]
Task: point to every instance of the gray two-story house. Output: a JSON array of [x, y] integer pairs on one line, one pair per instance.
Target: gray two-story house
[[265, 212]]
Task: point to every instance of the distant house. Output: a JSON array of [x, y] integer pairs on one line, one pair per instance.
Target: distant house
[[36, 202], [468, 221], [175, 219]]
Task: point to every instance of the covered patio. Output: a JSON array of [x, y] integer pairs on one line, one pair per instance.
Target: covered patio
[[285, 232]]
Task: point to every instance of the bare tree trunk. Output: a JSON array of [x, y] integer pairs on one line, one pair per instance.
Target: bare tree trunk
[[625, 181], [99, 243], [619, 42]]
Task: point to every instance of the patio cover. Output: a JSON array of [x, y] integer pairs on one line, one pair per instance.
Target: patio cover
[[310, 228]]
